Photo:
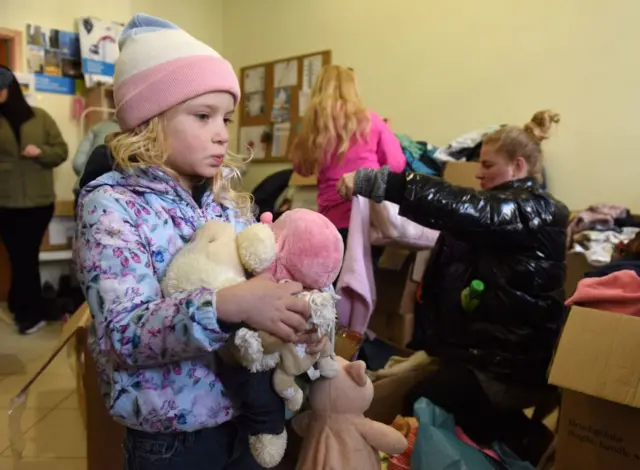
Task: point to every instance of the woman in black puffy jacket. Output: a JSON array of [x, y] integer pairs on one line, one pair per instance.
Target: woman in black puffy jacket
[[511, 236]]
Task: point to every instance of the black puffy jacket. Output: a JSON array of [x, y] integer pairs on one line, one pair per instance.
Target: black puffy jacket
[[513, 239]]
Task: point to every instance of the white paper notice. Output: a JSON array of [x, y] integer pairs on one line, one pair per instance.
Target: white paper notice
[[304, 96], [285, 74], [254, 80], [311, 67], [280, 139]]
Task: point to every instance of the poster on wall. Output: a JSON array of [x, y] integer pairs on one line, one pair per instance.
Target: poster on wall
[[54, 57], [98, 49], [280, 139], [311, 67], [28, 85], [281, 105]]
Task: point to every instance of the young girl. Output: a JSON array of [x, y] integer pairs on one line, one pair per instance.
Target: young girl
[[338, 136], [174, 97]]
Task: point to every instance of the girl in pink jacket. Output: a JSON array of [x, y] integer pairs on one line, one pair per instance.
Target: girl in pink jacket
[[339, 135]]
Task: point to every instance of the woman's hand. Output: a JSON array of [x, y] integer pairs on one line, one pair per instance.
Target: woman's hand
[[31, 151], [346, 186], [266, 305]]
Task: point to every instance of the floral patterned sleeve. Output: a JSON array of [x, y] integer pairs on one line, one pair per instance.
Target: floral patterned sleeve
[[133, 320]]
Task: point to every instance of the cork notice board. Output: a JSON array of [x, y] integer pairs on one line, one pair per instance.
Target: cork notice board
[[274, 97]]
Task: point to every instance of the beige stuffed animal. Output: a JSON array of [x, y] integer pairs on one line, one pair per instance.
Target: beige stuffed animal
[[336, 434]]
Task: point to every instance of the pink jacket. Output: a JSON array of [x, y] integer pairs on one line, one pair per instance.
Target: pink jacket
[[617, 292], [356, 285], [380, 148]]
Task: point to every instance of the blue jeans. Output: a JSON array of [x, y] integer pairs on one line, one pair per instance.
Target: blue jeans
[[219, 448]]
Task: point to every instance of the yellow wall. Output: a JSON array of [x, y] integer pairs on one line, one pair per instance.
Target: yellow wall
[[202, 18], [436, 68], [439, 68]]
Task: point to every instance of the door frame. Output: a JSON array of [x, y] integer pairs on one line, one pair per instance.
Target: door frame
[[14, 37]]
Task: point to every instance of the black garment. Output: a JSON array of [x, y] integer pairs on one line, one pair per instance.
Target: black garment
[[15, 110], [99, 163], [21, 231], [513, 239], [221, 448], [266, 194], [457, 390], [262, 410]]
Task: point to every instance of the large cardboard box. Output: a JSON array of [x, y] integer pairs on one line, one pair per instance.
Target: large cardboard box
[[597, 364], [462, 174]]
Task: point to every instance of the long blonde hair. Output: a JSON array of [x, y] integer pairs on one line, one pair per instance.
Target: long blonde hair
[[335, 116], [147, 145], [525, 141]]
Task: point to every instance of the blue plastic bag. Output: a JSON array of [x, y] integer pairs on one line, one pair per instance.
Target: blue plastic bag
[[438, 448]]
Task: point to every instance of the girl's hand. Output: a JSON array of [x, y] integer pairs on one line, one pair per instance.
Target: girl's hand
[[265, 305], [31, 151], [346, 186], [315, 343]]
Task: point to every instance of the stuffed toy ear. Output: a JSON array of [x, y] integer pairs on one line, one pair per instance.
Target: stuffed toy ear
[[257, 248], [357, 371], [266, 218]]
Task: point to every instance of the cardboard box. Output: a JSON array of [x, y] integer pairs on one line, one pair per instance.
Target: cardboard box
[[462, 174], [390, 392], [597, 364], [104, 435]]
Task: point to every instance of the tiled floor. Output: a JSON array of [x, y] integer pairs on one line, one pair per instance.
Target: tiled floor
[[54, 435]]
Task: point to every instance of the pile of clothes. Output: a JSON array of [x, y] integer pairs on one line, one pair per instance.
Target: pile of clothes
[[435, 442], [422, 157], [597, 231], [614, 287]]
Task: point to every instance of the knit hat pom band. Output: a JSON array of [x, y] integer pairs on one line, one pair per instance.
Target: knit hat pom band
[[161, 66]]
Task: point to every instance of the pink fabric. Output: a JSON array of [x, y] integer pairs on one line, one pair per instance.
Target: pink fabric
[[379, 149], [154, 90], [618, 292], [356, 285], [377, 224], [464, 438], [389, 228]]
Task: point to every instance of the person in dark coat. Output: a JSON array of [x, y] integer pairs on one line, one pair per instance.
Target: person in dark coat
[[493, 359]]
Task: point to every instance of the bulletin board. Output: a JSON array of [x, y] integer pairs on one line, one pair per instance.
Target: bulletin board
[[274, 97]]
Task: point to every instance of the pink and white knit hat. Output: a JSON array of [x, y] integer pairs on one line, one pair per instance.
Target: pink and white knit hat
[[160, 66]]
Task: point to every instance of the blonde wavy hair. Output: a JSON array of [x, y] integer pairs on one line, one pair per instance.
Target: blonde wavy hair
[[148, 145], [335, 116], [525, 141]]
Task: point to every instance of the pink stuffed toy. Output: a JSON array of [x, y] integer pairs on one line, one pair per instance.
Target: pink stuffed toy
[[308, 250]]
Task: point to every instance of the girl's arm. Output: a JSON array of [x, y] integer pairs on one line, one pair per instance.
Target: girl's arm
[[480, 216], [55, 151], [389, 150], [133, 321]]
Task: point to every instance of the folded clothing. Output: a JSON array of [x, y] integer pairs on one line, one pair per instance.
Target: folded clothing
[[617, 292]]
